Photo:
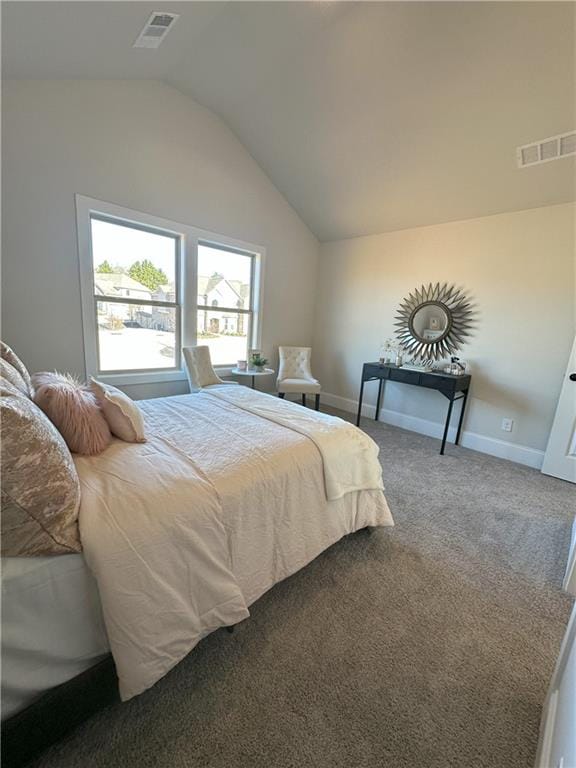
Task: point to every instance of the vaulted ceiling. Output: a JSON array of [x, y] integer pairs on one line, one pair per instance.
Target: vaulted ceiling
[[368, 117]]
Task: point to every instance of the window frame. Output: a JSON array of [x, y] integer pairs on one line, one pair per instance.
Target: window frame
[[253, 342], [186, 285], [176, 304]]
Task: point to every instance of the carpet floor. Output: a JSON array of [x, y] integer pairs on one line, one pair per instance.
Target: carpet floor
[[427, 645]]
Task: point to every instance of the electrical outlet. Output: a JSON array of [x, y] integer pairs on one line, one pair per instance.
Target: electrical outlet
[[507, 425]]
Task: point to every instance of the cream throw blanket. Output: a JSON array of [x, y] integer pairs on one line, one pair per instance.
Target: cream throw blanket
[[349, 456]]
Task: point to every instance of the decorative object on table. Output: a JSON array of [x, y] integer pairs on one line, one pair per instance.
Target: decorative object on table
[[242, 364], [388, 350], [259, 363], [452, 387], [295, 374], [422, 366], [445, 306], [399, 358], [252, 373], [252, 353], [455, 367], [199, 369]]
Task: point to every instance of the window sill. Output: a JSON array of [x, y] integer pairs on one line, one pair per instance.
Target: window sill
[[158, 377], [142, 377]]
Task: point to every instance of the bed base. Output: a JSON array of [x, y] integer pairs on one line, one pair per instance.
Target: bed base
[[61, 709]]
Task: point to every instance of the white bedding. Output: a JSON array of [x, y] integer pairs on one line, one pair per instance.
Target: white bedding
[[349, 456], [184, 532], [52, 626]]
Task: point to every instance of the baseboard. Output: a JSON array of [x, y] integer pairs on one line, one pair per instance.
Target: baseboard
[[521, 454]]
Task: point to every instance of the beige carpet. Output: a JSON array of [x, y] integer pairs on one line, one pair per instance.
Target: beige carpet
[[423, 646]]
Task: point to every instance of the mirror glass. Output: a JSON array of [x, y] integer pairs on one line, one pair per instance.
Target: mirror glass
[[429, 322], [433, 321]]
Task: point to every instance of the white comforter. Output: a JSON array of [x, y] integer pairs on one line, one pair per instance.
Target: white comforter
[[185, 531], [349, 456]]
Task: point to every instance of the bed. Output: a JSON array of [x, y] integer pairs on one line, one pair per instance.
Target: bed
[[230, 494], [52, 626]]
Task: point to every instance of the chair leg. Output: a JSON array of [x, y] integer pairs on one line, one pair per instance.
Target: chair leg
[[281, 395], [304, 400], [317, 403]]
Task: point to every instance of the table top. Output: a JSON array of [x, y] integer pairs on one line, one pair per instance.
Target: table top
[[265, 372], [392, 366]]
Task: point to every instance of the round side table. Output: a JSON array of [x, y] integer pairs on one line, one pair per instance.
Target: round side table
[[253, 374]]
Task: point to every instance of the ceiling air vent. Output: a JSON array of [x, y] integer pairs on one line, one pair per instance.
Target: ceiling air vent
[[545, 150], [156, 29]]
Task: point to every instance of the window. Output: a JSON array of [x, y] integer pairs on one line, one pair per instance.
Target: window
[[225, 303], [137, 315], [150, 286]]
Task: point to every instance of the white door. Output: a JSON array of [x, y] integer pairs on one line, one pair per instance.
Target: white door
[[560, 457]]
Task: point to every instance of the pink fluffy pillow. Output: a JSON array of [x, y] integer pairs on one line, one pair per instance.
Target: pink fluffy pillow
[[74, 411]]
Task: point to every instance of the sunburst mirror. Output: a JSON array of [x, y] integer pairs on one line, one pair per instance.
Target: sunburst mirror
[[434, 321]]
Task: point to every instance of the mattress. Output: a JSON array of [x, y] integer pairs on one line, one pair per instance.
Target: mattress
[[52, 626]]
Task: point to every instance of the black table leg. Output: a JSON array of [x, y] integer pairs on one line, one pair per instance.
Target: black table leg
[[360, 402], [446, 426], [461, 419], [380, 387]]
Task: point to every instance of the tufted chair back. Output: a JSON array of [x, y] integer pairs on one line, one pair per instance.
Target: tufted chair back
[[295, 363], [199, 368]]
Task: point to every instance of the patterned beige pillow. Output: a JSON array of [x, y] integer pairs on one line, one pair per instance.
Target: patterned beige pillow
[[120, 411], [40, 486], [13, 360], [9, 373]]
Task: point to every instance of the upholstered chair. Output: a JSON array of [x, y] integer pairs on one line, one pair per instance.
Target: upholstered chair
[[295, 374], [201, 374]]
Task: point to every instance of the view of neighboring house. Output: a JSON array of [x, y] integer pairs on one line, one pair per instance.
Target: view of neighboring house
[[218, 292], [160, 318], [119, 284]]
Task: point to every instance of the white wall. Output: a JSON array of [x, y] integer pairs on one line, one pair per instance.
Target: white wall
[[517, 267], [143, 145]]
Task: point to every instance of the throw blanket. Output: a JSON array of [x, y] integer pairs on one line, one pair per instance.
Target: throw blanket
[[349, 456]]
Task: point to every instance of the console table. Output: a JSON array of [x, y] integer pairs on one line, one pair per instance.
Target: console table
[[452, 387]]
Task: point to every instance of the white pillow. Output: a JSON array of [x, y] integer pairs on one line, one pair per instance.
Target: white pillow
[[120, 411]]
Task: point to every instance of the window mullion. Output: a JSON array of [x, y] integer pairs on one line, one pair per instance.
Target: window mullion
[[189, 282], [129, 300], [231, 310]]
